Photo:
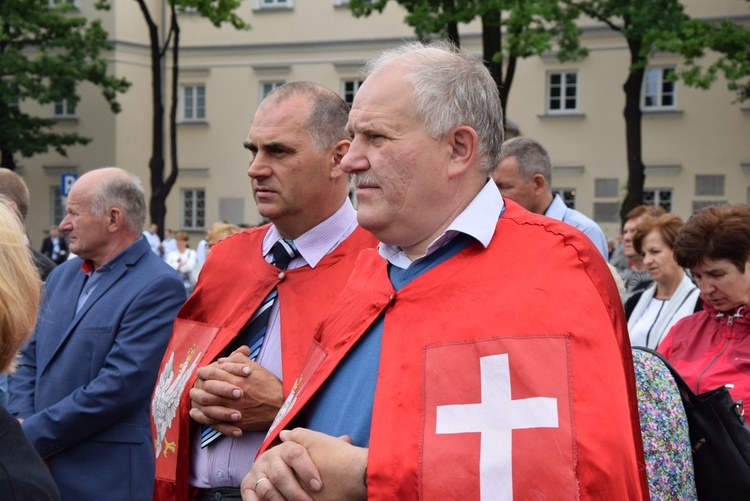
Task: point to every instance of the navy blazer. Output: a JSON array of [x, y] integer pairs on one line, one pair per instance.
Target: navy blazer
[[85, 379]]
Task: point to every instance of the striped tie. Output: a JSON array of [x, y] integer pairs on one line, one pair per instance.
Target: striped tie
[[254, 332]]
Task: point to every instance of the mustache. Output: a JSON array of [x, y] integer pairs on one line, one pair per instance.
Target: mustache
[[364, 179]]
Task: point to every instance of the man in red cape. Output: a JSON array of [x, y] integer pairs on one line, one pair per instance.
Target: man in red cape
[[480, 352], [296, 141]]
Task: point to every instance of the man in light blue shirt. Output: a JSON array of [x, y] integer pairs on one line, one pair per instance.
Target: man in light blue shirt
[[525, 176]]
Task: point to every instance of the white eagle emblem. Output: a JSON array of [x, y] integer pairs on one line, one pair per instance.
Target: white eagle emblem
[[167, 398]]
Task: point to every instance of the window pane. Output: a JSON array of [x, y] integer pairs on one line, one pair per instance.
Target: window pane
[[188, 102], [562, 85], [200, 105]]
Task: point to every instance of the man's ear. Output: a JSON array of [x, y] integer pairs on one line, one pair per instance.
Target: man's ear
[[115, 219], [338, 151], [464, 143], [540, 184]]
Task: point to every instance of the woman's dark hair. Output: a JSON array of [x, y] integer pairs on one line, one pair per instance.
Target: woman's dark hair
[[715, 232]]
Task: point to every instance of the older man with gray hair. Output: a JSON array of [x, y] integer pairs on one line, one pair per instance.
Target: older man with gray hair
[[84, 382], [456, 363], [525, 176]]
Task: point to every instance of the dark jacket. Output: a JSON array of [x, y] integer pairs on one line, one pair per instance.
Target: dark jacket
[[22, 473], [48, 250]]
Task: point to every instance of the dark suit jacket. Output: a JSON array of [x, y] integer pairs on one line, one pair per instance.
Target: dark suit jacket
[[85, 379], [44, 265], [48, 249], [22, 474]]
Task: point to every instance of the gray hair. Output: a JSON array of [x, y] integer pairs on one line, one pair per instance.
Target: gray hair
[[451, 89], [124, 192], [326, 124], [531, 158]]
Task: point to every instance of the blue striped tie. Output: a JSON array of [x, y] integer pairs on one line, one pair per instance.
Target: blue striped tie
[[254, 332]]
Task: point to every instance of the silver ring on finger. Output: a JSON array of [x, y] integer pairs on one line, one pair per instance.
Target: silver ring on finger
[[259, 481]]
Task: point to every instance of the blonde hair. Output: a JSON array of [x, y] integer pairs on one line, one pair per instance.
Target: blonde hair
[[20, 287], [222, 231]]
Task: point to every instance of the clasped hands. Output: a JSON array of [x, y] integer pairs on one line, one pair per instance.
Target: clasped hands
[[234, 394], [308, 466]]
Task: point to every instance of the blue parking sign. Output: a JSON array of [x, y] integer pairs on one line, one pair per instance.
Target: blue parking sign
[[66, 182]]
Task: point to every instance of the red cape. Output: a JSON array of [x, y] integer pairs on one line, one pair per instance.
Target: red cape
[[533, 322], [233, 283]]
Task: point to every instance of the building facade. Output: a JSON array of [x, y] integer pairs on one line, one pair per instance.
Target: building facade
[[696, 144]]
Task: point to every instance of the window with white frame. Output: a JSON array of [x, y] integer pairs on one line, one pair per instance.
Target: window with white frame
[[273, 4], [658, 197], [193, 208], [349, 89], [64, 109], [55, 3], [562, 91], [56, 207], [568, 196], [267, 87], [193, 103], [658, 89]]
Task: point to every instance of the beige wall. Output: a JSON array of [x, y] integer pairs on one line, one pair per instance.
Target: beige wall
[[317, 41]]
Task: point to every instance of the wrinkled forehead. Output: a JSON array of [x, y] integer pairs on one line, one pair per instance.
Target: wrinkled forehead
[[384, 99]]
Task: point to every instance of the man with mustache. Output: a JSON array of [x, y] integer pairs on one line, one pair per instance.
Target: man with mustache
[[456, 363], [248, 323]]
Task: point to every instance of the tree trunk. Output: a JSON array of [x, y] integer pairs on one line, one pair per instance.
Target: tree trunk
[[510, 72], [7, 160], [157, 208], [491, 45], [453, 36], [173, 167], [633, 133]]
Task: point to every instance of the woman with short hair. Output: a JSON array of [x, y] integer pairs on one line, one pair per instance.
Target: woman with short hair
[[184, 260], [671, 296], [712, 347]]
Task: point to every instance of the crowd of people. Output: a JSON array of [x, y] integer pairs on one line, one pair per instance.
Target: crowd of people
[[458, 333]]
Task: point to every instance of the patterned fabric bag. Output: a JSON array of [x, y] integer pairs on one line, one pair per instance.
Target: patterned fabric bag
[[664, 428], [720, 440]]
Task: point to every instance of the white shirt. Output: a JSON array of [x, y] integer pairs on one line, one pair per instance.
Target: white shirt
[[478, 219]]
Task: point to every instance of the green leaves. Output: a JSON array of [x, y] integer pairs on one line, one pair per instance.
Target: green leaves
[[216, 11], [45, 52]]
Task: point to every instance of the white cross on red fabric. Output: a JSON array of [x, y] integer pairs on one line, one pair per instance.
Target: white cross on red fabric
[[495, 417]]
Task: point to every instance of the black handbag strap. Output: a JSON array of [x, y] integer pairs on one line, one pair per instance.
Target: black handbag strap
[[684, 388]]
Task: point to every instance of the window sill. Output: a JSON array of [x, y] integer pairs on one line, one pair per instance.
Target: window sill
[[193, 122], [66, 119], [662, 112], [568, 116], [273, 8]]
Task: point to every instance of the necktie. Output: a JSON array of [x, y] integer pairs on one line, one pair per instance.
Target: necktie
[[253, 334]]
